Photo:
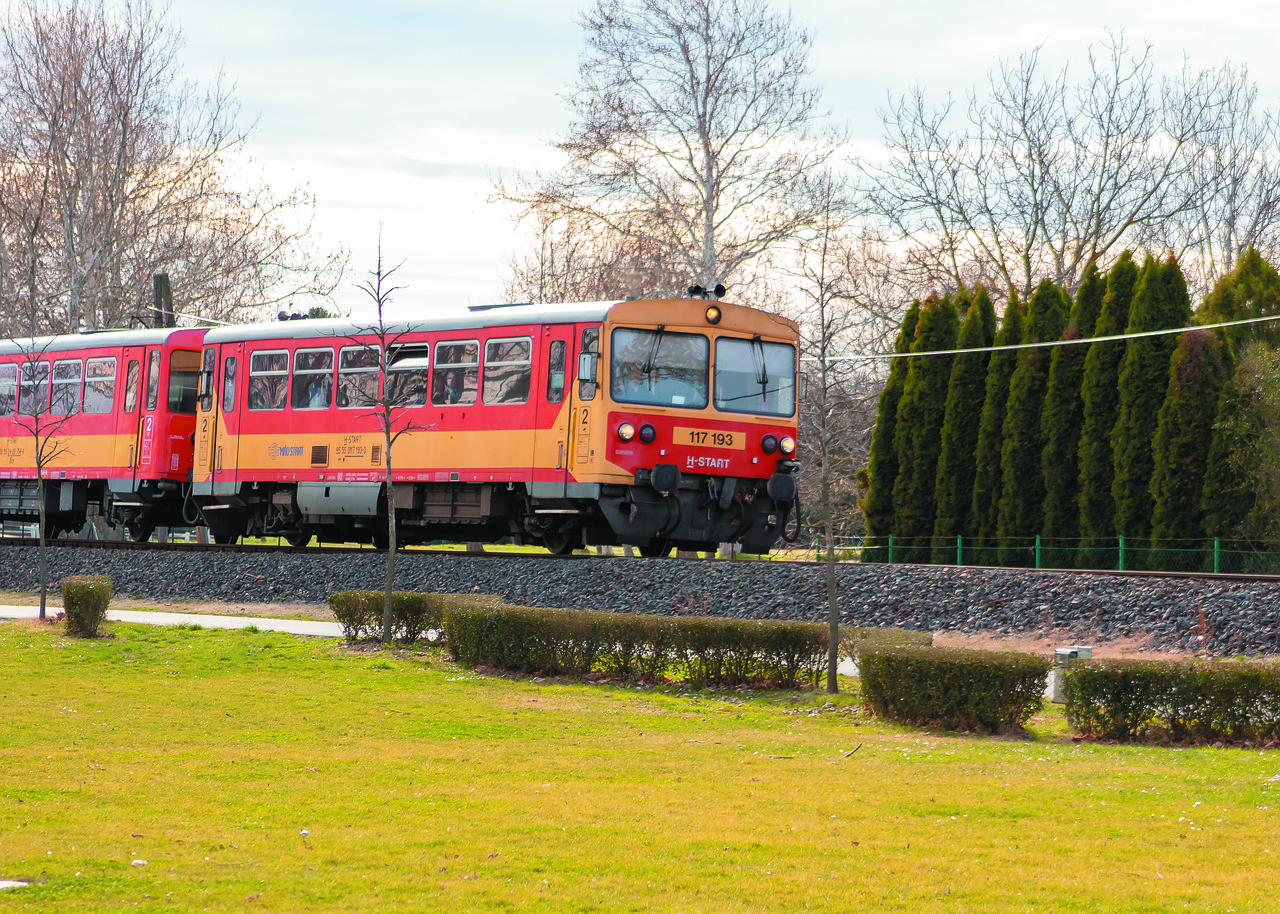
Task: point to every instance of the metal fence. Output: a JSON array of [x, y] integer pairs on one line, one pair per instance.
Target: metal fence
[[1217, 556]]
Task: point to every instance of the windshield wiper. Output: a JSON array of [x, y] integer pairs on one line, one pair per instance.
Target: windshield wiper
[[651, 362], [762, 375]]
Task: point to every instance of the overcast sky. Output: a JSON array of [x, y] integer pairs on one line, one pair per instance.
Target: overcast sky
[[402, 114]]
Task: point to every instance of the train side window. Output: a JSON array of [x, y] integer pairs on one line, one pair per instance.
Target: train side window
[[207, 368], [8, 389], [312, 378], [153, 379], [358, 371], [508, 370], [590, 343], [409, 375], [268, 380], [229, 384], [33, 389], [99, 385], [65, 399], [184, 381], [555, 371], [456, 377], [131, 386]]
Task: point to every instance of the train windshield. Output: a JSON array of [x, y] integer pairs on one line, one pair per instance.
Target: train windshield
[[657, 368], [753, 376]]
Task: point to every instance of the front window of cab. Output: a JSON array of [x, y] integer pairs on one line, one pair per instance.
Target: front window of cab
[[753, 376], [657, 368]]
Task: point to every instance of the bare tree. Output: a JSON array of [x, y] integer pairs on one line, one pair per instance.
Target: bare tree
[[692, 125], [396, 392], [137, 166], [1043, 176], [42, 420]]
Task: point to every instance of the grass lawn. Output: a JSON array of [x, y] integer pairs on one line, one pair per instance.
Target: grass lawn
[[257, 771]]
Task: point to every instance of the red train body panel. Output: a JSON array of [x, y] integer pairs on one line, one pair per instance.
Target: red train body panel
[[114, 415]]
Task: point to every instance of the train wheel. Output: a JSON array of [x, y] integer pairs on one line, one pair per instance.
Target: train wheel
[[656, 550], [561, 542], [298, 538], [139, 532]]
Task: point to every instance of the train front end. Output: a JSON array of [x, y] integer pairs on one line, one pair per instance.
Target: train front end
[[698, 443]]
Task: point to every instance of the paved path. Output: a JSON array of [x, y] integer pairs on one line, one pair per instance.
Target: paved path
[[292, 626]]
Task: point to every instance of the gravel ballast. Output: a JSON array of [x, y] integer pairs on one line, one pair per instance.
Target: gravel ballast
[[1219, 616]]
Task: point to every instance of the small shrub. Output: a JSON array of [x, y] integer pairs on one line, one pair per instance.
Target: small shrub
[[85, 599], [989, 691], [359, 612]]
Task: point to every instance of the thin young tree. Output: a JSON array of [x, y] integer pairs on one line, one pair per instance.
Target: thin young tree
[[42, 419], [396, 393]]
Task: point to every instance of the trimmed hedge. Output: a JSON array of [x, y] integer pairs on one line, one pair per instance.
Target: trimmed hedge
[[707, 651], [85, 599], [1186, 700], [988, 691], [413, 614]]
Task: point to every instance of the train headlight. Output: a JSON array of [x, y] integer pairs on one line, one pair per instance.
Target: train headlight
[[626, 431], [769, 444], [713, 314], [648, 434], [788, 445]]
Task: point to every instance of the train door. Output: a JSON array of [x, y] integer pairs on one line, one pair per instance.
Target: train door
[[554, 415], [146, 465], [128, 420], [207, 409], [225, 453], [586, 402]]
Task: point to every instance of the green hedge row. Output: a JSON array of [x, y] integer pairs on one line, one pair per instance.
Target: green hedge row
[[705, 651], [412, 614], [85, 599], [1187, 700], [987, 691]]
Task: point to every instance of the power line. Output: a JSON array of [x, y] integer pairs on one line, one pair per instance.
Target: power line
[[877, 356]]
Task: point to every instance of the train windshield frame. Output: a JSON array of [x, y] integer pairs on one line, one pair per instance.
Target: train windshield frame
[[755, 376], [658, 367]]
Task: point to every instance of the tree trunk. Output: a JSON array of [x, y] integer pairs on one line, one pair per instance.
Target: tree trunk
[[391, 537], [44, 559]]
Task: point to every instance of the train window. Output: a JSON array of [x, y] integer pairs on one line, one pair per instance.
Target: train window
[[590, 343], [457, 373], [207, 369], [658, 368], [753, 376], [358, 371], [312, 378], [153, 379], [131, 386], [408, 376], [33, 389], [184, 381], [67, 375], [508, 370], [99, 385], [229, 384], [8, 389], [555, 371], [268, 380]]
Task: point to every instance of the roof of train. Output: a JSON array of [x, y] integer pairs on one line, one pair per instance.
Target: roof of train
[[491, 316], [43, 345]]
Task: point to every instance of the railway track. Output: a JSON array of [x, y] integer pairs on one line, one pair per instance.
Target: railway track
[[334, 550]]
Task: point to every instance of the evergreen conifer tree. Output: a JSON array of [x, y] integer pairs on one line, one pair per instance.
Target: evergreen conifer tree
[[957, 461], [1021, 509], [1183, 436], [1061, 423], [1226, 499], [987, 479], [1250, 290], [918, 429], [1101, 400], [882, 463], [1159, 302]]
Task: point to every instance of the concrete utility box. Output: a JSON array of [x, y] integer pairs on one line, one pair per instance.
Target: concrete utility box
[[1063, 657]]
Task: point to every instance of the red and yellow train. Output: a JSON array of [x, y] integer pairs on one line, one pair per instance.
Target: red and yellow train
[[658, 424]]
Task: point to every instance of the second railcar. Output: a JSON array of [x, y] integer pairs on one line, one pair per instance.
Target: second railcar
[[658, 424]]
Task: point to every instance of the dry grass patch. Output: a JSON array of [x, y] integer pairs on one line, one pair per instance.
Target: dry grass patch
[[422, 786]]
